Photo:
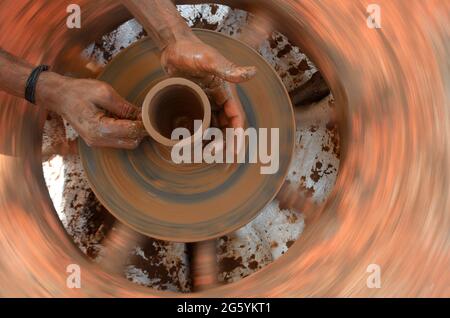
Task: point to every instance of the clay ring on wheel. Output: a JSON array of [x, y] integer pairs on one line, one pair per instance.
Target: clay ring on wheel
[[174, 103]]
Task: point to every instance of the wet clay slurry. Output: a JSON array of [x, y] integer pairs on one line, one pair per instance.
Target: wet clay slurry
[[145, 189]]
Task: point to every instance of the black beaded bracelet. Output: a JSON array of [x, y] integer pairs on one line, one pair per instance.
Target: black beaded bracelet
[[30, 88]]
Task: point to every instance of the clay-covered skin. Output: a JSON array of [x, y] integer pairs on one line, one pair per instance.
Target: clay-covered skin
[[83, 103], [389, 207], [184, 55], [193, 59]]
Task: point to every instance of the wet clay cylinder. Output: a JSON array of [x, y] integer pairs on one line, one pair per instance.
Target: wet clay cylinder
[[175, 103]]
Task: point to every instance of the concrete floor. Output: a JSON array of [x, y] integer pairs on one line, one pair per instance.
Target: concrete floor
[[164, 265]]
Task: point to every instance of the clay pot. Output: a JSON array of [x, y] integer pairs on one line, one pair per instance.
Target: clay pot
[[175, 103]]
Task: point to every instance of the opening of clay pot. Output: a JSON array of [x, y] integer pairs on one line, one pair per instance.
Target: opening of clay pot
[[175, 103]]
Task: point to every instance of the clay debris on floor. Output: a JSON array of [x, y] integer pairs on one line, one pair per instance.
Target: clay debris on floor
[[164, 265]]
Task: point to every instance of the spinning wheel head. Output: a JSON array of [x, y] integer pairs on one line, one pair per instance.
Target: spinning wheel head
[[190, 202]]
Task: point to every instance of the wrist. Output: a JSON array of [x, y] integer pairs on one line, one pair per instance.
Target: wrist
[[176, 33], [48, 90]]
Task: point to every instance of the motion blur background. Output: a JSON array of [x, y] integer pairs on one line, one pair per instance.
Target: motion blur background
[[371, 162]]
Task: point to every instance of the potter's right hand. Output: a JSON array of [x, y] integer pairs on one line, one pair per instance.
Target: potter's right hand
[[84, 104]]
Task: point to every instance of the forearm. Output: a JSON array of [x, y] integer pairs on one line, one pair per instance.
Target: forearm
[[160, 19], [13, 74]]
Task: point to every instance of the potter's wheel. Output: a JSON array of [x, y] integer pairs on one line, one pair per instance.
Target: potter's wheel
[[188, 203], [389, 206]]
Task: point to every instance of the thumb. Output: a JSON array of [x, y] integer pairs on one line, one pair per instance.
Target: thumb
[[230, 72]]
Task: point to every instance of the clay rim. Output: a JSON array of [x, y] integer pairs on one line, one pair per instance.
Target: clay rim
[[206, 121]]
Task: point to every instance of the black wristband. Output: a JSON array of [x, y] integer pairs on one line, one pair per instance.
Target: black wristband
[[30, 88]]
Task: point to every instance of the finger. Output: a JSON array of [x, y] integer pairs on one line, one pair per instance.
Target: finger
[[230, 72], [111, 101], [120, 128], [220, 93], [123, 109], [233, 111]]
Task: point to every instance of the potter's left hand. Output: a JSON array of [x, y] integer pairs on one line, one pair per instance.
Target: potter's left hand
[[190, 57]]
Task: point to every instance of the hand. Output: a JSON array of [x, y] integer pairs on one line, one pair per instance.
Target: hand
[[84, 103], [190, 57]]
